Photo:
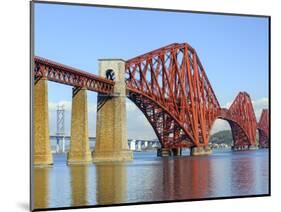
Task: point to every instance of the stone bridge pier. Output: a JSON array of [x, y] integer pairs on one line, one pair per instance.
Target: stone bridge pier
[[42, 147], [79, 152], [111, 130]]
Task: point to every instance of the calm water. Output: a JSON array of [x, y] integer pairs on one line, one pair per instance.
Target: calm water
[[150, 178]]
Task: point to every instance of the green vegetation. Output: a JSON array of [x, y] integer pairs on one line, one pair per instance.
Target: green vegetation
[[222, 137]]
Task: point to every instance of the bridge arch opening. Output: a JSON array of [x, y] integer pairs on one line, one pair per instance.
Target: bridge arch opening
[[169, 132], [141, 135], [221, 134], [64, 101], [235, 133]]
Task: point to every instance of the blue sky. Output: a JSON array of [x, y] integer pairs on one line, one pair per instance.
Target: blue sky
[[232, 49]]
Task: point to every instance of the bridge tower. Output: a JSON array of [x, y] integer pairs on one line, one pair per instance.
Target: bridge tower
[[60, 135], [111, 130]]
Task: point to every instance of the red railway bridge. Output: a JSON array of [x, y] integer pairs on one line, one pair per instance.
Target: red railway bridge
[[171, 88]]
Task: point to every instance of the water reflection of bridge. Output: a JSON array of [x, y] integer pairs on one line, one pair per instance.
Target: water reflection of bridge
[[181, 178]]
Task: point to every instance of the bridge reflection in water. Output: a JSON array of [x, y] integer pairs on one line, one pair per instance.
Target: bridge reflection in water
[[79, 185], [149, 178], [41, 187], [111, 183]]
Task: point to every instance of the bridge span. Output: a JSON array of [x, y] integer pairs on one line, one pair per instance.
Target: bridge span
[[171, 88]]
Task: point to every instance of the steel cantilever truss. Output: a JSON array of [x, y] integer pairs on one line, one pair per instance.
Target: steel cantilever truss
[[171, 88], [242, 120], [263, 129]]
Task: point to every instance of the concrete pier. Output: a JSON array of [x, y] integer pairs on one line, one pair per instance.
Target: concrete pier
[[177, 152], [42, 146], [79, 152], [245, 147], [164, 152], [200, 151], [111, 130], [253, 147]]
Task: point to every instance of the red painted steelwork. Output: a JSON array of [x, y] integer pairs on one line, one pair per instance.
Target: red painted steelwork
[[263, 129], [57, 72], [242, 120], [171, 88]]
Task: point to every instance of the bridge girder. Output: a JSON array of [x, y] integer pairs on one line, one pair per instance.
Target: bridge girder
[[63, 74]]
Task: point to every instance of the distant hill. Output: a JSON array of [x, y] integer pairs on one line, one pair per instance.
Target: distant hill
[[222, 137]]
